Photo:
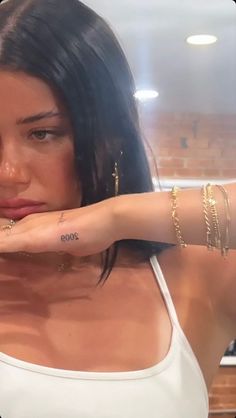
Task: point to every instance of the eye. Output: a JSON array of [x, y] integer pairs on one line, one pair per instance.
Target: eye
[[41, 135]]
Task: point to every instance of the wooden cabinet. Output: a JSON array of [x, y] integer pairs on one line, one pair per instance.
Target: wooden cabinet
[[222, 395]]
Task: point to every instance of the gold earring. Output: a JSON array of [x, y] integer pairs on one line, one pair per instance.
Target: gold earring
[[116, 176]]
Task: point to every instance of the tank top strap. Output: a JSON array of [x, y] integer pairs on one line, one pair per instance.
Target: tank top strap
[[165, 291]]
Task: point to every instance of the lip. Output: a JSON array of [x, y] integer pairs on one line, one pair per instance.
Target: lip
[[17, 203], [21, 212]]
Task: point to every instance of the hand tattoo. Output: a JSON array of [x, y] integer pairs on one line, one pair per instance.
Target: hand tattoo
[[60, 221], [70, 237]]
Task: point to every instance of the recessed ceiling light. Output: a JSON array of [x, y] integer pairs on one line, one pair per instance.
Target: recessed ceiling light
[[144, 95], [201, 39]]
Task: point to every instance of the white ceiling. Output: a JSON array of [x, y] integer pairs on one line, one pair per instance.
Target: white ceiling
[[153, 33]]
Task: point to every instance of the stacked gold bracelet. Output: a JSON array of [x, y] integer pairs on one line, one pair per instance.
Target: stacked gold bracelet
[[225, 249], [209, 204], [213, 229], [209, 208], [175, 217]]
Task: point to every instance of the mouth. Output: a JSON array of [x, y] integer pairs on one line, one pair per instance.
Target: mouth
[[19, 213]]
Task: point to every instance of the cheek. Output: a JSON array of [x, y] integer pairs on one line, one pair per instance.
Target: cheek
[[60, 176], [66, 168]]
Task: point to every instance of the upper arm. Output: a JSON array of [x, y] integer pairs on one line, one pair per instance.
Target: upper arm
[[220, 274]]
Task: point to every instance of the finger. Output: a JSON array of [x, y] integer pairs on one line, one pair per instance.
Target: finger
[[4, 221], [12, 240], [6, 227]]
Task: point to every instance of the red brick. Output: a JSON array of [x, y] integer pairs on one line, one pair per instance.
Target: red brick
[[163, 151], [199, 163], [229, 152], [166, 172], [189, 173], [228, 163], [198, 143], [228, 173], [170, 162], [208, 172]]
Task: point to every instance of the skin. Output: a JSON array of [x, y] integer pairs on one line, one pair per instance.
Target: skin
[[196, 278], [26, 159], [28, 154]]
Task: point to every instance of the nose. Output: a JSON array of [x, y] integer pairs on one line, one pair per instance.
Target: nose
[[13, 170]]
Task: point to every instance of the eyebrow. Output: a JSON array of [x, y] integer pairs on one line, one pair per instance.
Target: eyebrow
[[39, 116]]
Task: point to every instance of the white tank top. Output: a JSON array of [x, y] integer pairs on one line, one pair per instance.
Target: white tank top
[[173, 388]]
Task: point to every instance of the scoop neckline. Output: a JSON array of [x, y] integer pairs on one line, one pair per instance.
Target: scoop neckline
[[74, 374]]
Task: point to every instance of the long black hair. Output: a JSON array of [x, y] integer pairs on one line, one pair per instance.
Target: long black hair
[[71, 48]]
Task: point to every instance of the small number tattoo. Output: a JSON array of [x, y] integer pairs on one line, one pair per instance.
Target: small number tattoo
[[69, 237]]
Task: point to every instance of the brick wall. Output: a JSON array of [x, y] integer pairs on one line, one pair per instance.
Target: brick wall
[[191, 145], [223, 391]]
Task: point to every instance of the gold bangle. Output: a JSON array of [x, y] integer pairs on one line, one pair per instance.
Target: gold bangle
[[212, 205], [225, 249], [175, 218], [207, 221]]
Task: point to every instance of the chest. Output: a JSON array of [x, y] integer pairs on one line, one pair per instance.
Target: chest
[[116, 327], [122, 326]]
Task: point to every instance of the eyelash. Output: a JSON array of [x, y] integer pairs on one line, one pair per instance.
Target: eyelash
[[54, 133]]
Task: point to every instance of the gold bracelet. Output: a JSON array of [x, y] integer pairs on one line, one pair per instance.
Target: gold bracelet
[[207, 222], [225, 249], [212, 205], [175, 218]]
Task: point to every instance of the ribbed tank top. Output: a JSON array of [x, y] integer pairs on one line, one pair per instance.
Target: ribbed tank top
[[173, 388]]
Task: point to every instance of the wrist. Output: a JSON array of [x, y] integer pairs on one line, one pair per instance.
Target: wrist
[[120, 205]]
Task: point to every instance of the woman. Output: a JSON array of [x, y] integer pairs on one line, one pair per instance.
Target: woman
[[99, 317]]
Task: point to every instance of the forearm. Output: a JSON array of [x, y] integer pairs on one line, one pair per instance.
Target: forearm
[[147, 216]]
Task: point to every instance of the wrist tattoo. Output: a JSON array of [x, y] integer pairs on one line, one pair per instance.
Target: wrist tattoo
[[70, 237]]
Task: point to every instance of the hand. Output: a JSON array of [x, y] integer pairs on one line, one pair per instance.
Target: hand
[[80, 232]]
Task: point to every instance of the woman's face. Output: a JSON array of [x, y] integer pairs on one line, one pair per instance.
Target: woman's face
[[35, 164]]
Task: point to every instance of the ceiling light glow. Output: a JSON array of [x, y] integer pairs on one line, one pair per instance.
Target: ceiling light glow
[[144, 95], [201, 39]]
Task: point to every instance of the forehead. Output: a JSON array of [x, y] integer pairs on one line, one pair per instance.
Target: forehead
[[20, 92]]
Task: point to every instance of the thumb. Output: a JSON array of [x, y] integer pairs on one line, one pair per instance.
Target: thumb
[[6, 224]]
